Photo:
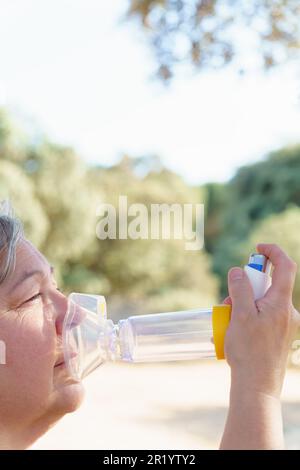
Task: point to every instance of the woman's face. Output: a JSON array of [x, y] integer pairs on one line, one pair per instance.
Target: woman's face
[[34, 388]]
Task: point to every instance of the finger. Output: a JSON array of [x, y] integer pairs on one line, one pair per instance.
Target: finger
[[241, 292], [285, 269], [227, 300]]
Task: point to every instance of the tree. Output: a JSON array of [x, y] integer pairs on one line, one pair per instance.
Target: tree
[[255, 192], [56, 196], [64, 191], [206, 33], [13, 141], [20, 190], [216, 196], [50, 192], [149, 275]]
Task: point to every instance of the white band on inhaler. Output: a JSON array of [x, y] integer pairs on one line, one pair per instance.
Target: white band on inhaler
[[260, 281]]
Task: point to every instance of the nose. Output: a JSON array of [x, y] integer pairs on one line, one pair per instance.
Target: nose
[[65, 306], [61, 307]]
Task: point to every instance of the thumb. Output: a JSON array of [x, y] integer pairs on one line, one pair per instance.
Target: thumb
[[240, 291]]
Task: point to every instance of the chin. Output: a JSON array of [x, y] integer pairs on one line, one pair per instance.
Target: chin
[[69, 397]]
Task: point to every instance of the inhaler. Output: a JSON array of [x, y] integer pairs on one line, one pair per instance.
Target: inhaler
[[90, 338]]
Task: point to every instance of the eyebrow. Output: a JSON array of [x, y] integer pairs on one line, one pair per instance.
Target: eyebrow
[[27, 274]]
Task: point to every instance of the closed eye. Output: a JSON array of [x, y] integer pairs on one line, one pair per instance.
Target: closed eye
[[32, 299], [37, 296]]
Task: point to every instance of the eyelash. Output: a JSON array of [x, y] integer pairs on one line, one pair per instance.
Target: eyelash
[[36, 296], [32, 299]]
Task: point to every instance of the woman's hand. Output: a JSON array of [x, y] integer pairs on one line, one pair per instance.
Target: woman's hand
[[256, 348]]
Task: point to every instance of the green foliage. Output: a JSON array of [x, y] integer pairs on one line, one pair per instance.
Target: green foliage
[[283, 229], [13, 141], [20, 189], [151, 270], [62, 186], [216, 197], [255, 192], [56, 196]]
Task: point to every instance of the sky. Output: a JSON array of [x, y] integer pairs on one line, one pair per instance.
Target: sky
[[73, 70]]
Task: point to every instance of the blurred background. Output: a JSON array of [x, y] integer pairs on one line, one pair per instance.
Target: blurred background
[[165, 101]]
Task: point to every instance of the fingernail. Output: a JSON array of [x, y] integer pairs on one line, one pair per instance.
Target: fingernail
[[236, 273]]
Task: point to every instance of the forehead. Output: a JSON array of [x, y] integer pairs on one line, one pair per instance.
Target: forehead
[[28, 257], [27, 253]]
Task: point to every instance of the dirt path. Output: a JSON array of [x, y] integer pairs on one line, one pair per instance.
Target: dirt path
[[164, 406]]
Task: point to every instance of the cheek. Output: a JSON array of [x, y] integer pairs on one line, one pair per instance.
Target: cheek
[[32, 346], [26, 381]]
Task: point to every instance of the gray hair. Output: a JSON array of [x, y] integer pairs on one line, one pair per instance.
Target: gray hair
[[11, 231]]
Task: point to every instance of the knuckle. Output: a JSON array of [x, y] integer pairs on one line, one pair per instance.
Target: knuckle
[[283, 307], [274, 246], [290, 264], [278, 324], [283, 317], [278, 314], [279, 252], [283, 321], [285, 292]]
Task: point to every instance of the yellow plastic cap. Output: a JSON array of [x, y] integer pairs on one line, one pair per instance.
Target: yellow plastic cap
[[221, 315]]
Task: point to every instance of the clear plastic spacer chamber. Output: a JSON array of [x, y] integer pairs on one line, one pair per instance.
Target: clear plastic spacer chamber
[[89, 338]]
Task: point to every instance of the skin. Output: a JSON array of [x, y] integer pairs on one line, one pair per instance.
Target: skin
[[257, 343], [35, 392]]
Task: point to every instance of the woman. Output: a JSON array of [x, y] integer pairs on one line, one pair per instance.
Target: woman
[[35, 390]]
